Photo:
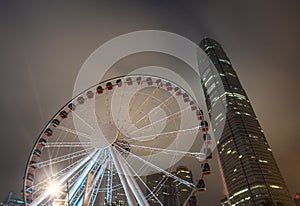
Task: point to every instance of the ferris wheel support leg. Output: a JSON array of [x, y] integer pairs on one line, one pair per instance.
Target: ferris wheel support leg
[[81, 178], [97, 183], [128, 192], [133, 184], [109, 184]]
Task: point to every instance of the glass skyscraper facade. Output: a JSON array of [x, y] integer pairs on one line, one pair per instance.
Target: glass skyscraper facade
[[251, 174]]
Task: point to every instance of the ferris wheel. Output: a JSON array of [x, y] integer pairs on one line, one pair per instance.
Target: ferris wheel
[[119, 143]]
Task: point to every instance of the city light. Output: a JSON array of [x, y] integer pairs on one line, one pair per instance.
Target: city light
[[53, 189]]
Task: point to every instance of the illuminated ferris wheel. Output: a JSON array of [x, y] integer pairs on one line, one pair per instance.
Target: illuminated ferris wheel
[[104, 146]]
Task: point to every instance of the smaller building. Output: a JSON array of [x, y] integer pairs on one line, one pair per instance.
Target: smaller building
[[182, 191], [168, 191]]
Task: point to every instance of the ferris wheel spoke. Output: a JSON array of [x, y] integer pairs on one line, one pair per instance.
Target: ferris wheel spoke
[[170, 117], [197, 155], [129, 191], [164, 103], [132, 182], [67, 144], [97, 183], [38, 186], [189, 184], [83, 193], [77, 188], [64, 178], [82, 120], [145, 103], [62, 158], [160, 184], [96, 166], [109, 183], [141, 180], [108, 107], [120, 101], [74, 176], [78, 194], [73, 131], [153, 136]]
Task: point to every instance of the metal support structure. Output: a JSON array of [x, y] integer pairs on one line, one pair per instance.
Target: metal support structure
[[128, 192], [145, 185], [44, 195], [189, 184], [62, 158], [68, 144], [97, 183], [109, 183], [198, 155], [133, 184], [193, 130], [73, 131], [155, 108], [169, 117], [40, 185], [78, 185]]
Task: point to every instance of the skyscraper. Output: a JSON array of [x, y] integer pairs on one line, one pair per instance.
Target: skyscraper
[[250, 171]]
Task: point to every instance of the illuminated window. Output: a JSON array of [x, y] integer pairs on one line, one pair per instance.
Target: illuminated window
[[275, 187], [231, 74], [257, 186], [183, 171], [245, 113], [208, 47], [225, 61], [205, 84], [240, 192], [211, 88], [218, 116]]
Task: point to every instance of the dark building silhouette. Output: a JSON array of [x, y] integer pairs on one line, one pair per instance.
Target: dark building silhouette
[[168, 191], [251, 174], [182, 192]]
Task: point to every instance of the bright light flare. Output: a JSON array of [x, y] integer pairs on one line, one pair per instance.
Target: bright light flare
[[53, 189]]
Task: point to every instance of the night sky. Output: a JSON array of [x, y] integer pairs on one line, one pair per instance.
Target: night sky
[[43, 44]]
